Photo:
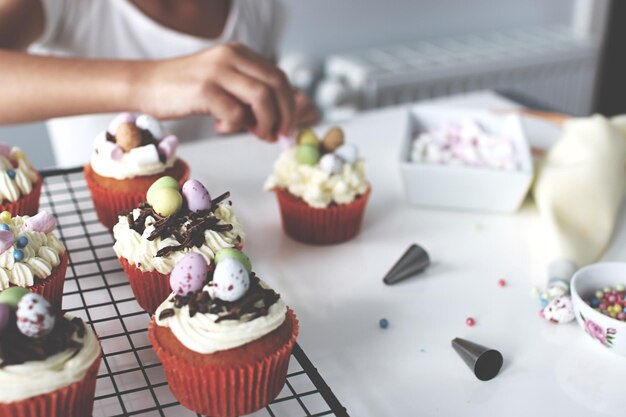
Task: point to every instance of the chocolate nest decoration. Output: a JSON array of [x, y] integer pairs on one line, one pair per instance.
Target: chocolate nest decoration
[[16, 348], [196, 223], [201, 302]]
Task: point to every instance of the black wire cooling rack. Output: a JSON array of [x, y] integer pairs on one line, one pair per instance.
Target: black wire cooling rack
[[131, 381]]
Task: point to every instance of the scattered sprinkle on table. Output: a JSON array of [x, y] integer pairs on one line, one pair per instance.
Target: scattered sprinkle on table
[[383, 323], [470, 321], [502, 283]]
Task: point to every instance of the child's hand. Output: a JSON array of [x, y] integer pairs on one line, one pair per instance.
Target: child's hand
[[306, 113], [240, 88]]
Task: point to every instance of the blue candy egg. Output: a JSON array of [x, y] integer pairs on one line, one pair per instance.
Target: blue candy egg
[[22, 241]]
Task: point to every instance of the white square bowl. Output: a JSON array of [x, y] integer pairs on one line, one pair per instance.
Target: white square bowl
[[461, 187]]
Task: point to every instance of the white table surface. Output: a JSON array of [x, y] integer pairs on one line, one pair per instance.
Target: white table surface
[[410, 369]]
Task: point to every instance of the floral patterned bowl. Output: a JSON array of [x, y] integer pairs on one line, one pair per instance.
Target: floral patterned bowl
[[607, 331]]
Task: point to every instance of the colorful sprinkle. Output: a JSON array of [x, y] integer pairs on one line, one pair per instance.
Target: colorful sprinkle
[[501, 283], [4, 227], [470, 321], [383, 323], [610, 302], [22, 241], [18, 254]]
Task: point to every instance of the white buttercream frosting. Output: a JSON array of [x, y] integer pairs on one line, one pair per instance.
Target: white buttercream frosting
[[12, 189], [202, 334], [41, 255], [315, 186], [29, 379], [141, 161], [141, 252]]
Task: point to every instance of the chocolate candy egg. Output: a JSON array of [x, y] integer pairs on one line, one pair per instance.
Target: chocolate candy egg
[[333, 139], [230, 280], [308, 137], [118, 120], [166, 202], [348, 152], [307, 154], [149, 123], [163, 182], [127, 136], [34, 316], [234, 254], [5, 313], [12, 296], [189, 274], [196, 196], [331, 163]]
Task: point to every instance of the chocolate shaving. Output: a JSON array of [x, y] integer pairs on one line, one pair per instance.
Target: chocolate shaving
[[168, 312], [16, 348]]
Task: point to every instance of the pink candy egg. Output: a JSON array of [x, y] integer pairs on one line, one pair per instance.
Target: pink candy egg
[[118, 120], [42, 222], [167, 146], [189, 274], [196, 196], [34, 316]]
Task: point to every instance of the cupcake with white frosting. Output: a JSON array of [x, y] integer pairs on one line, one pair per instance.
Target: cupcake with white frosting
[[127, 158], [20, 183], [172, 222], [31, 256], [321, 188], [48, 361], [224, 337]]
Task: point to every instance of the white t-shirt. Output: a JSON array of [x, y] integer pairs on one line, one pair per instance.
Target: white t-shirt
[[117, 29]]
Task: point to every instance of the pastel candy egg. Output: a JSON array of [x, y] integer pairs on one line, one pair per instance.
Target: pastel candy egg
[[163, 182], [6, 240], [286, 142], [127, 136], [331, 163], [189, 274], [166, 202], [307, 154], [34, 316], [196, 196], [149, 123], [118, 120], [5, 313], [5, 216], [333, 139], [308, 137], [42, 222], [348, 152], [167, 146], [232, 253], [12, 296], [230, 280]]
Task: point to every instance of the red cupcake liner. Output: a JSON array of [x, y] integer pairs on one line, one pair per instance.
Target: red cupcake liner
[[226, 391], [334, 224], [150, 288], [27, 205], [51, 288], [109, 204], [74, 400]]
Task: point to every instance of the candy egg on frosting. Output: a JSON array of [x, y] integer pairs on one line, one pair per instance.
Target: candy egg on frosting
[[127, 136], [234, 254], [307, 154], [331, 163], [167, 146], [34, 316], [118, 120], [12, 296], [163, 182], [166, 202], [5, 314], [42, 222], [348, 152], [189, 274], [230, 280], [308, 137], [333, 139], [149, 123], [196, 196]]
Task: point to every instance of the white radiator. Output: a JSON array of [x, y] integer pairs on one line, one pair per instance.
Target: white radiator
[[550, 65]]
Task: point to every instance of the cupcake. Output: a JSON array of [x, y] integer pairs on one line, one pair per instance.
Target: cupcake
[[223, 336], [127, 158], [321, 188], [152, 237], [31, 256], [48, 361], [20, 184]]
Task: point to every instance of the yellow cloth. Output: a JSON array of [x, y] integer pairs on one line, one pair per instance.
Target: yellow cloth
[[580, 187]]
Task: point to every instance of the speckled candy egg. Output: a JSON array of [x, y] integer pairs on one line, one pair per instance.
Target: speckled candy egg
[[34, 316], [333, 139], [559, 310], [189, 274], [235, 254], [196, 196], [149, 123], [331, 163], [230, 280]]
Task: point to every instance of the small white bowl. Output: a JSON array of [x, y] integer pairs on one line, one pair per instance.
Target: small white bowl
[[461, 187], [606, 331]]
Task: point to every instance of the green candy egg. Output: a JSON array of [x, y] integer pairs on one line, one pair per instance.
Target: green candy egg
[[235, 254], [307, 154], [11, 296], [166, 201], [163, 182], [308, 137]]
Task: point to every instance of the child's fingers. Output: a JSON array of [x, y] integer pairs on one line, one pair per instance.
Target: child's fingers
[[231, 115]]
